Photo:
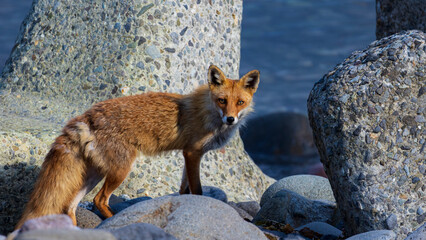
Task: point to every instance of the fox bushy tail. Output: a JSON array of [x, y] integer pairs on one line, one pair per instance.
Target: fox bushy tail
[[62, 174]]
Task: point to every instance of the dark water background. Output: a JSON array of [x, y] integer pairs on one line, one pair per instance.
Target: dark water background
[[295, 42]]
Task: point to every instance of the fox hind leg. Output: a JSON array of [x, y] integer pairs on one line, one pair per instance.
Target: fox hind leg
[[112, 181], [92, 179]]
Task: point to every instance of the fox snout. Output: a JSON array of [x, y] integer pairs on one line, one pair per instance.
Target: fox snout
[[230, 120]]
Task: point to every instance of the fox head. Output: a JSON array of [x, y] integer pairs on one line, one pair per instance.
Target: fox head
[[232, 98]]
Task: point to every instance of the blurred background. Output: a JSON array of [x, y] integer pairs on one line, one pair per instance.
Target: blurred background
[[293, 43]]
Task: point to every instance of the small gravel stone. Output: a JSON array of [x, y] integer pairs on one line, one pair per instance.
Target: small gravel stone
[[170, 50], [415, 180], [140, 65], [103, 86], [144, 9], [127, 27], [153, 52], [183, 31], [391, 222], [376, 129], [117, 26], [357, 131]]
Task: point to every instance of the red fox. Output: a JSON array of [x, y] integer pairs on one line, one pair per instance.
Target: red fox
[[105, 140]]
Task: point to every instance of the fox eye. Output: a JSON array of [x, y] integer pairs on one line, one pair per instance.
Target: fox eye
[[221, 100], [240, 102]]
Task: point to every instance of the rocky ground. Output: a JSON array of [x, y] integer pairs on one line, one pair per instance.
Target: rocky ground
[[297, 207]]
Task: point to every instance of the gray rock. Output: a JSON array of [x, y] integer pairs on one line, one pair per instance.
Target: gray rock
[[396, 16], [309, 186], [141, 231], [153, 51], [114, 199], [294, 236], [418, 234], [373, 179], [119, 206], [273, 235], [251, 207], [66, 234], [189, 217], [56, 221], [288, 207], [391, 221], [322, 228], [241, 212], [86, 218], [54, 74], [210, 191], [247, 210], [375, 235]]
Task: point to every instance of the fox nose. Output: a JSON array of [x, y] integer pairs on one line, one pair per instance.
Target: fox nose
[[230, 120]]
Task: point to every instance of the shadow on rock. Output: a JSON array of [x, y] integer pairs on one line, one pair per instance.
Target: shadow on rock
[[16, 184]]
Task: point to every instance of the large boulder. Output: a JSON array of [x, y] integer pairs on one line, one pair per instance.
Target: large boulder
[[141, 231], [323, 229], [66, 234], [70, 54], [418, 234], [288, 207], [309, 186], [375, 235], [187, 217], [368, 118], [395, 16], [86, 218]]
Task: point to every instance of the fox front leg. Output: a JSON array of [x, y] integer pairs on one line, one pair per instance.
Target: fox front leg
[[192, 169], [184, 187]]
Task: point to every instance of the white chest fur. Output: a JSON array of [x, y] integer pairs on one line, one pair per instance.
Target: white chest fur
[[220, 138]]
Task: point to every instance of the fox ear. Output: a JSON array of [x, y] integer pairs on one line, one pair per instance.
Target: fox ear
[[251, 79], [215, 76]]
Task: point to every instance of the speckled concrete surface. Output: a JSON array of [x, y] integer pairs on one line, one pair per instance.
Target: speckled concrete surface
[[71, 54], [368, 118]]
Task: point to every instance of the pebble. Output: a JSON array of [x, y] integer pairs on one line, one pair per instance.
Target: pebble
[[140, 65], [117, 26], [153, 52], [420, 211], [144, 9], [99, 69], [183, 31], [415, 180], [127, 27], [391, 221], [170, 50]]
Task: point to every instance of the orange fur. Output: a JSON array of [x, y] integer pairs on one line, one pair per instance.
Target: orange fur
[[104, 141]]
